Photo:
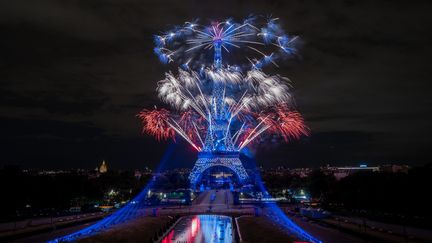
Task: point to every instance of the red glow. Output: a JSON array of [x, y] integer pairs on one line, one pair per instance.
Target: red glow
[[189, 235], [195, 226], [191, 123], [155, 123], [217, 31], [169, 237], [289, 124], [248, 131], [196, 147], [282, 121]]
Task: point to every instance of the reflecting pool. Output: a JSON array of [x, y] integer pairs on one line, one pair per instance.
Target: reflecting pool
[[201, 228]]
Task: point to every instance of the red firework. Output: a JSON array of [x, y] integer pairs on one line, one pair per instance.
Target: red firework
[[289, 124], [247, 132], [191, 123], [155, 123]]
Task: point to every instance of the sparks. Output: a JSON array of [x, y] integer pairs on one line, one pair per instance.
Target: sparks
[[220, 107], [155, 123], [261, 40]]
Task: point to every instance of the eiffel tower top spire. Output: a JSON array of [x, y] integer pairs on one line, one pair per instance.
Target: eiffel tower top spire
[[218, 137]]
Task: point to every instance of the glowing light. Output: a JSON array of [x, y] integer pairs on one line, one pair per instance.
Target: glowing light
[[218, 100], [253, 34], [194, 226], [130, 211], [279, 217], [155, 122], [242, 97], [202, 228], [207, 160]]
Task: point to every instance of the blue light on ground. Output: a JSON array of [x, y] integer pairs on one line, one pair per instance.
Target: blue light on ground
[[218, 148], [279, 217], [128, 212], [131, 211]]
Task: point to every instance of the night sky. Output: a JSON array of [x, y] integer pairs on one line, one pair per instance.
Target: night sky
[[73, 75]]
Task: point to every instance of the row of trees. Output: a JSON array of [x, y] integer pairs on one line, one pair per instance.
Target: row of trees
[[400, 197], [393, 196], [25, 194]]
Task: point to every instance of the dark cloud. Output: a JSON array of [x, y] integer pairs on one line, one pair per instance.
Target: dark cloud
[[74, 74], [52, 129]]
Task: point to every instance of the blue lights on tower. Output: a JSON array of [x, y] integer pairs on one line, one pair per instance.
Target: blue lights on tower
[[218, 147]]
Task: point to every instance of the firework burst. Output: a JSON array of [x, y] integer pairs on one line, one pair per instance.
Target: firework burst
[[220, 107], [255, 103], [262, 42], [155, 123]]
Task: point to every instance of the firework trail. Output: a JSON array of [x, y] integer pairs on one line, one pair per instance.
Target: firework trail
[[155, 122], [255, 104], [262, 41], [219, 109]]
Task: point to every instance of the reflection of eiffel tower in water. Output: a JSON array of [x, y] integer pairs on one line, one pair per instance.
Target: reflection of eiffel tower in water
[[218, 147]]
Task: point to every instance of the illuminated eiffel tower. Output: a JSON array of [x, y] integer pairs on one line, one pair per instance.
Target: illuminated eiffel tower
[[218, 146]]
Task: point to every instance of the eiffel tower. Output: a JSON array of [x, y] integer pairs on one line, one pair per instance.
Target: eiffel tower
[[218, 146]]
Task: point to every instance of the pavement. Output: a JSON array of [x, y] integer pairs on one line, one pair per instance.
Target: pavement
[[214, 201]]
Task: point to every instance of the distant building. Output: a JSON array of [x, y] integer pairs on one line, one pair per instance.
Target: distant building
[[137, 174], [221, 174], [103, 168], [341, 172], [301, 172]]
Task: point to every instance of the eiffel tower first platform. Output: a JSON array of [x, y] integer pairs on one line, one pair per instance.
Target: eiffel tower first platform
[[226, 159]]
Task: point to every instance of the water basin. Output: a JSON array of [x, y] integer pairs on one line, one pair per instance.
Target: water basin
[[201, 229]]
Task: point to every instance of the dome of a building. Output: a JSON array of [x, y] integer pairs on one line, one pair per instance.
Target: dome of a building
[[103, 168]]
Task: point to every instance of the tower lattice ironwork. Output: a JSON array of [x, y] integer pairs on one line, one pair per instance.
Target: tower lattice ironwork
[[220, 109], [218, 149]]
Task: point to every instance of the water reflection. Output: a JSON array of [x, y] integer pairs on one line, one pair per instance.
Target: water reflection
[[201, 228]]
